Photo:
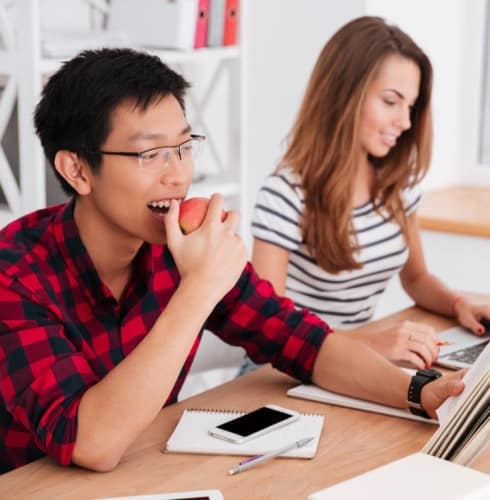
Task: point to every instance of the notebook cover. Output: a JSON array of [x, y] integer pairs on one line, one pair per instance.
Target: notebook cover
[[191, 435], [314, 393]]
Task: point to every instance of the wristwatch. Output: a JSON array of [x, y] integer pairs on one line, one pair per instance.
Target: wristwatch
[[418, 381]]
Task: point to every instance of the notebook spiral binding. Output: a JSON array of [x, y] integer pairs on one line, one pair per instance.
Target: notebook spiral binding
[[241, 412], [216, 410]]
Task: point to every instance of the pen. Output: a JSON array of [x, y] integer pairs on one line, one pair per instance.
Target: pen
[[441, 343], [258, 459]]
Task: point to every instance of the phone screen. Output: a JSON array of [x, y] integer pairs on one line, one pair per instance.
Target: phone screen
[[254, 421]]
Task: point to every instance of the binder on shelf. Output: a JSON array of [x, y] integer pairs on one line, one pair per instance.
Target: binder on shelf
[[165, 24], [216, 23], [230, 36], [202, 24]]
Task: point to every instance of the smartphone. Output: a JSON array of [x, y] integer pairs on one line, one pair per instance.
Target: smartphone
[[255, 423]]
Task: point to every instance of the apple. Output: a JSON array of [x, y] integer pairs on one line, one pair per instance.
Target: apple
[[192, 213]]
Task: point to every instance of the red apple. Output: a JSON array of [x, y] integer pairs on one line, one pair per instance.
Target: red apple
[[192, 213]]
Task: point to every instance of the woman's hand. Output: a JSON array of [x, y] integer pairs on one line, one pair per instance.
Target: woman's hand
[[409, 342], [471, 315]]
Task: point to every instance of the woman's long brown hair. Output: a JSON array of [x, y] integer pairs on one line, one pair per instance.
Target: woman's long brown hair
[[324, 145]]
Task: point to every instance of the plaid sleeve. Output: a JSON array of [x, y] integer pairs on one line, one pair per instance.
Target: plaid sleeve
[[42, 377], [269, 327]]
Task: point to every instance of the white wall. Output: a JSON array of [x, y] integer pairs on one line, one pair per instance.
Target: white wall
[[282, 39], [437, 27], [447, 257], [473, 171], [278, 64], [452, 34]]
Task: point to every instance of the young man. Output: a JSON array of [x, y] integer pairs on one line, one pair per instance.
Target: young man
[[103, 299]]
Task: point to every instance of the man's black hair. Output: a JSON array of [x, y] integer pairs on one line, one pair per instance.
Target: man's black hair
[[74, 112]]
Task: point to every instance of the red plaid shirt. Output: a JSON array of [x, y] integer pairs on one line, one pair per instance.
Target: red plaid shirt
[[61, 330]]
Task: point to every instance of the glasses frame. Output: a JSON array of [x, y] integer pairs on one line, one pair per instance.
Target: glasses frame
[[139, 155]]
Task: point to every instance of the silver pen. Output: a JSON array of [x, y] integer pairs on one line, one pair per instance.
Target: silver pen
[[258, 459]]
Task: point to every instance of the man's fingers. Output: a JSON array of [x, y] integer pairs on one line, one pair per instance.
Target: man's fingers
[[454, 384], [454, 387], [232, 219], [171, 223], [215, 207]]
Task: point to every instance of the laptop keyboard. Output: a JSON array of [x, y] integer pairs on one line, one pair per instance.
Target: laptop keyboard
[[468, 354]]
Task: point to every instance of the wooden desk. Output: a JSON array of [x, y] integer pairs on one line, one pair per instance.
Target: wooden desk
[[352, 442], [461, 210]]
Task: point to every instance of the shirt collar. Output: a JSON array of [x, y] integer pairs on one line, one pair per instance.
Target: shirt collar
[[78, 263], [76, 259]]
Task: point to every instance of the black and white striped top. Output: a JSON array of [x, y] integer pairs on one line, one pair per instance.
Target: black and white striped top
[[346, 299]]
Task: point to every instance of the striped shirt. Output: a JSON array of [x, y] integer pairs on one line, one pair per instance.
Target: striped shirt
[[346, 299]]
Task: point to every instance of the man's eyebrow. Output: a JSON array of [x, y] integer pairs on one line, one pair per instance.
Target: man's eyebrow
[[151, 136]]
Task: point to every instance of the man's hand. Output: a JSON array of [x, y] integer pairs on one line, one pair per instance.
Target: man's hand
[[213, 256], [436, 392]]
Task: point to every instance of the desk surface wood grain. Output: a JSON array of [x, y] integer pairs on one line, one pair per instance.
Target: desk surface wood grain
[[460, 210], [352, 442]]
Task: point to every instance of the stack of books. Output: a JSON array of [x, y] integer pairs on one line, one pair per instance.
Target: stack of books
[[464, 420]]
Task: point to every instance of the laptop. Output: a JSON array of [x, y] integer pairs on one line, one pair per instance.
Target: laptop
[[462, 347]]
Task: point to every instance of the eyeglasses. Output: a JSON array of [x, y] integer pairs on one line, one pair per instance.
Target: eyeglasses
[[158, 158]]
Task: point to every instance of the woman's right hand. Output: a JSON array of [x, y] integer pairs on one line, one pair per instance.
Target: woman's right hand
[[408, 342], [213, 256]]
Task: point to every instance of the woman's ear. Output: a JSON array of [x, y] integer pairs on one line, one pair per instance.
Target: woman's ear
[[75, 171]]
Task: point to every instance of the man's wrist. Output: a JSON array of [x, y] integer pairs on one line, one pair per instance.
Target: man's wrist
[[417, 383]]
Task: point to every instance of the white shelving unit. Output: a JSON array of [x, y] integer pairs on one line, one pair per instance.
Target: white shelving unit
[[24, 68]]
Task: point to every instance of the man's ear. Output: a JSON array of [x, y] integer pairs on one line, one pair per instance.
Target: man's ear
[[75, 171]]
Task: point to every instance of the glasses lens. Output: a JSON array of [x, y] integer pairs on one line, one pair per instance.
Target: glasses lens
[[161, 157], [194, 146]]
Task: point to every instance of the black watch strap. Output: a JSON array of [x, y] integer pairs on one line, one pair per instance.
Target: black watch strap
[[418, 381]]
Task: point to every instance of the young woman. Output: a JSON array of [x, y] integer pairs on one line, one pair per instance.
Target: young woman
[[337, 218]]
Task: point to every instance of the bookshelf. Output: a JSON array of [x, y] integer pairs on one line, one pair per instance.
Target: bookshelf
[[25, 180]]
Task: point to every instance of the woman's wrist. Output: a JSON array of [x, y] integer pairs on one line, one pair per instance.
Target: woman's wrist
[[455, 304]]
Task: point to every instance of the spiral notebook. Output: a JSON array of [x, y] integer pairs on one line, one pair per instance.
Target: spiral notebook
[[191, 435], [314, 393]]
